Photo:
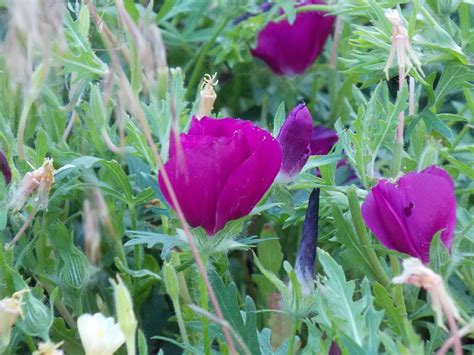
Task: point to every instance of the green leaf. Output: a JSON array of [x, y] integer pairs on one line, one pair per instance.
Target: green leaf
[[393, 317], [433, 122], [279, 119], [439, 255], [453, 77], [246, 326], [164, 9]]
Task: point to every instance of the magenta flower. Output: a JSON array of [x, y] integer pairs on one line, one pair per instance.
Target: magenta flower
[[295, 139], [291, 49], [5, 168], [220, 170], [406, 215]]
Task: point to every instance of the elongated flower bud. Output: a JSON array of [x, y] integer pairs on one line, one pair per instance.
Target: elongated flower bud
[[5, 168], [306, 255], [295, 140], [125, 314]]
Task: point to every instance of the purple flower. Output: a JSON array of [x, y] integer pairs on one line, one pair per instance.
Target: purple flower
[[322, 140], [220, 170], [5, 168], [306, 255], [406, 215], [295, 139], [291, 49]]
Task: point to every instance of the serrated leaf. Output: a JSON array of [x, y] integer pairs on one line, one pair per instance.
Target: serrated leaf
[[227, 297]]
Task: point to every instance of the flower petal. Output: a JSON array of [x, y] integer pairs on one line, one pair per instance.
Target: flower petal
[[295, 138], [430, 207], [199, 174], [381, 214], [322, 140], [250, 181]]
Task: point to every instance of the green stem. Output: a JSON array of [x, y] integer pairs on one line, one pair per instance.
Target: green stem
[[291, 344], [205, 306], [398, 289], [397, 158], [197, 72], [306, 8], [179, 318], [361, 232]]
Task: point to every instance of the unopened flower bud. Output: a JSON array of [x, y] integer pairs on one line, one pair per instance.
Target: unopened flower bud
[[5, 168], [125, 314], [306, 255], [171, 280], [37, 318], [295, 140]]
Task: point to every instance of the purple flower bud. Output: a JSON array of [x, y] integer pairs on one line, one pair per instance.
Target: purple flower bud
[[406, 215], [5, 168], [334, 349], [291, 49], [306, 255], [322, 140], [222, 168], [295, 140]]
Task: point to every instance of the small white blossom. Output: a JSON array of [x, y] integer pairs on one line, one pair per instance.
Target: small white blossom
[[99, 335]]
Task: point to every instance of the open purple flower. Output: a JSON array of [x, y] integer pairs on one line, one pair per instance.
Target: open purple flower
[[220, 170], [406, 215], [295, 139], [5, 168], [290, 49]]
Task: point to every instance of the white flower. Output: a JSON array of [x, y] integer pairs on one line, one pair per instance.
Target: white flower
[[99, 335]]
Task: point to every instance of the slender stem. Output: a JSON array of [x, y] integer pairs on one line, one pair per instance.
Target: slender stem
[[411, 100], [462, 332], [205, 320], [179, 318], [398, 148], [397, 158], [361, 231], [197, 72], [291, 344], [398, 289], [306, 8], [335, 42], [24, 227], [21, 128], [454, 330]]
